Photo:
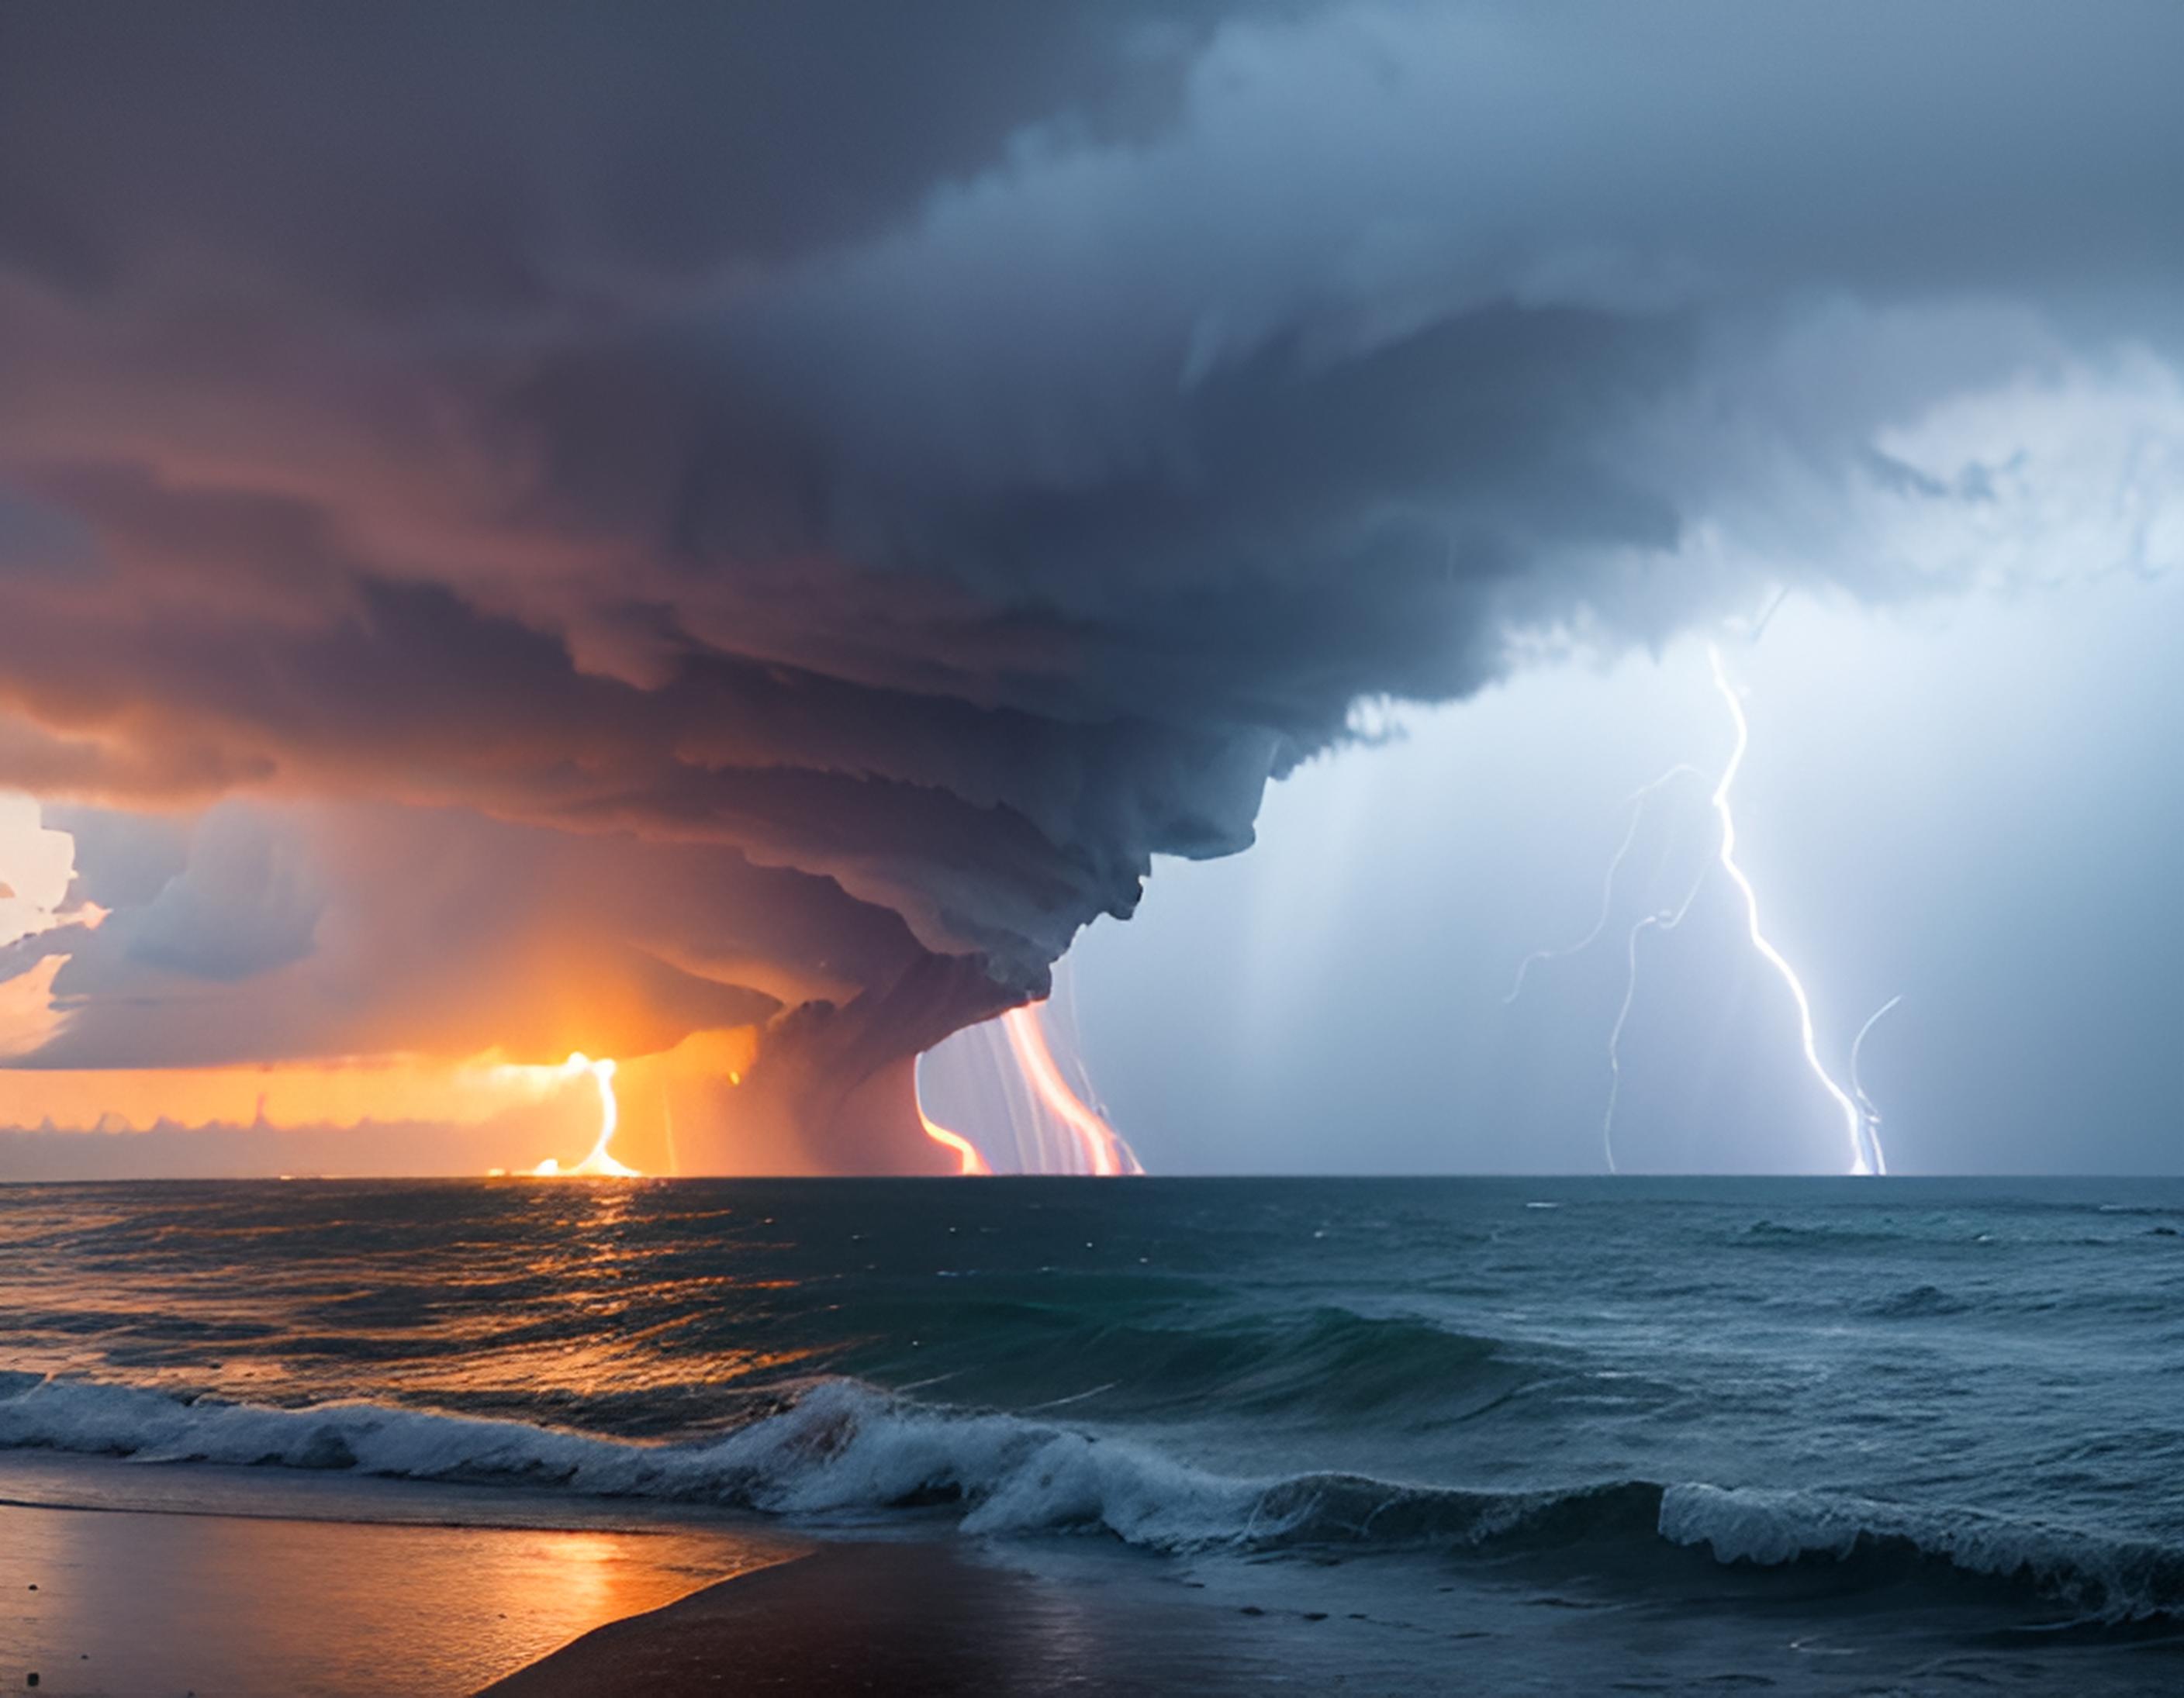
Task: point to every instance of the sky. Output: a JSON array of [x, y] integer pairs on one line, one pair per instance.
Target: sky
[[1967, 805], [731, 538]]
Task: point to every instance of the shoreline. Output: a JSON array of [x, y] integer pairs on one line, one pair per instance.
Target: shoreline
[[923, 1619], [103, 1599], [952, 1615]]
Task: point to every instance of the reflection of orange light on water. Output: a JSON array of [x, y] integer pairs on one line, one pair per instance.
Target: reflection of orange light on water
[[599, 1164], [1105, 1153]]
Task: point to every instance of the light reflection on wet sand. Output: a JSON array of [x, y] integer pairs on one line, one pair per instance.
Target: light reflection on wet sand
[[243, 1607]]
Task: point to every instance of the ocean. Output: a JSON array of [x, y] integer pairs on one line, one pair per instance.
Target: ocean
[[1569, 1435]]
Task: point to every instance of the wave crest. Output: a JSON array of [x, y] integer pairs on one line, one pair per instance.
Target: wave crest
[[846, 1448], [2108, 1577]]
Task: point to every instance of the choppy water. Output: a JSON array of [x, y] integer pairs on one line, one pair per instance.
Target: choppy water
[[1961, 1399]]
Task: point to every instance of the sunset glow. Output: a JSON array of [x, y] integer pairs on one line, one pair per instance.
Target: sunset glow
[[631, 633]]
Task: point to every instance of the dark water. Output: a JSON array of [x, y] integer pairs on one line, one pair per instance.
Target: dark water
[[1791, 1421]]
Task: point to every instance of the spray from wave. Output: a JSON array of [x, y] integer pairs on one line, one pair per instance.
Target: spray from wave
[[844, 1448]]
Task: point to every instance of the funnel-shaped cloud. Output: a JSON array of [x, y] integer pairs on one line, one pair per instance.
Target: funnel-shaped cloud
[[812, 499]]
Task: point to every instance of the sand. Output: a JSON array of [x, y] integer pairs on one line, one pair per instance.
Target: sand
[[113, 1603], [275, 1583], [968, 1617], [913, 1619]]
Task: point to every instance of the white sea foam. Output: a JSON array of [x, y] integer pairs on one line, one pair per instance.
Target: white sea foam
[[846, 1448], [2108, 1577]]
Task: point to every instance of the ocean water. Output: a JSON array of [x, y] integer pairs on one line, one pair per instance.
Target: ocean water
[[1828, 1435]]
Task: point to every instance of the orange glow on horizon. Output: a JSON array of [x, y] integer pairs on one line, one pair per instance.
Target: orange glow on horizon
[[356, 1091], [1104, 1152], [343, 1091]]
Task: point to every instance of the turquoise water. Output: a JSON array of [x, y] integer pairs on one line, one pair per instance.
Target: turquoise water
[[1714, 1399]]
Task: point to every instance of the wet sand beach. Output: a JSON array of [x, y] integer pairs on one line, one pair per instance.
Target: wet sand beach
[[935, 1618], [109, 1603]]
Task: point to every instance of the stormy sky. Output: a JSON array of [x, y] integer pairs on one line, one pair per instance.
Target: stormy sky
[[547, 527]]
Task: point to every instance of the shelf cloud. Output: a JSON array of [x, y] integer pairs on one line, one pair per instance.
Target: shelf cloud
[[544, 527]]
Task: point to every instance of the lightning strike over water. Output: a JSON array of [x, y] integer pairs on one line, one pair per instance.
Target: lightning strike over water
[[965, 1152], [1101, 1149], [1865, 1103], [1665, 920], [1031, 1117], [1639, 800], [1852, 1121], [1861, 1119], [598, 1163]]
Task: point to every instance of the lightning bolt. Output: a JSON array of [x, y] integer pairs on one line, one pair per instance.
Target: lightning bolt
[[1054, 1129], [1865, 1102], [1861, 1119], [1639, 800], [1103, 1152], [600, 1162], [1666, 919], [965, 1152], [1853, 1122]]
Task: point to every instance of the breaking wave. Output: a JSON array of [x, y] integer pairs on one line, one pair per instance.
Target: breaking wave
[[846, 1449]]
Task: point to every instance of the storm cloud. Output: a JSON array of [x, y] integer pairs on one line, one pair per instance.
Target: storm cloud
[[796, 505]]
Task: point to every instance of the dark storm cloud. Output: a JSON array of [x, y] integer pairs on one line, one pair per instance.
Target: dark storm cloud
[[950, 455], [323, 930], [406, 159]]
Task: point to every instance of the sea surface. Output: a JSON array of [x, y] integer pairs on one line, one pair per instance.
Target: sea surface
[[1854, 1435]]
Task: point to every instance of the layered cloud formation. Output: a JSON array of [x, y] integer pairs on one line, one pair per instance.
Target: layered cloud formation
[[637, 523]]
